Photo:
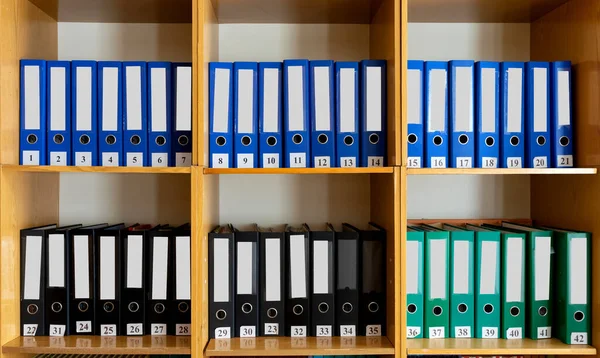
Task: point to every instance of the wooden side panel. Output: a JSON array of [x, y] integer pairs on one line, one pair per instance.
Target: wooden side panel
[[403, 83], [197, 263], [197, 22], [27, 32]]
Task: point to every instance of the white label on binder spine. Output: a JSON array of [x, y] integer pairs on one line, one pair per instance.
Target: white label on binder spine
[[33, 268], [488, 100], [58, 158], [108, 330], [462, 332], [183, 329], [32, 97], [464, 100], [223, 332], [271, 100], [515, 100], [158, 329], [133, 98], [578, 280], [413, 249], [298, 331], [541, 256], [579, 338], [57, 330], [296, 98], [245, 101], [347, 100], [489, 265], [320, 267], [81, 269], [58, 96], [221, 270], [273, 270], [540, 99], [84, 82], [374, 100], [271, 329], [247, 331], [110, 99], [298, 266], [324, 331], [437, 269], [461, 267], [514, 269], [183, 99], [415, 97], [107, 268], [56, 260], [160, 257], [135, 251], [182, 268], [348, 330], [322, 98], [245, 252], [221, 101], [514, 333], [564, 98], [29, 329], [438, 93], [158, 99]]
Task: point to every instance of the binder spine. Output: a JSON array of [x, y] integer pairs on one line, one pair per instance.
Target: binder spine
[[84, 78], [110, 113], [182, 103], [221, 298], [436, 114], [296, 122], [462, 114], [158, 283], [160, 115], [416, 101], [181, 278], [135, 114], [33, 252], [270, 109], [537, 134], [487, 105], [562, 114], [297, 304], [107, 302], [347, 114], [322, 111], [220, 114], [512, 147], [247, 305], [372, 308], [245, 114], [33, 112], [323, 285], [59, 112], [348, 266], [373, 139], [133, 288], [273, 273]]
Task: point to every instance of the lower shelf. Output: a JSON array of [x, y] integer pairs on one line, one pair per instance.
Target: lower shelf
[[495, 347], [310, 346], [100, 345]]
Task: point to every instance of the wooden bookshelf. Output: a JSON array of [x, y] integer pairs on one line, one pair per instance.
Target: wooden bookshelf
[[73, 169], [387, 170]]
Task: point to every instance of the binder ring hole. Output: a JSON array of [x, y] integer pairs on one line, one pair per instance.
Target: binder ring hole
[[297, 139], [541, 140], [111, 139], [463, 139], [564, 141], [438, 140], [56, 307], [298, 309], [133, 307], [514, 141], [84, 139], [373, 307], [221, 315], [462, 308], [183, 140], [108, 307], [159, 308], [347, 307], [160, 140], [246, 140], [221, 141], [348, 140], [323, 307], [374, 138], [271, 141], [247, 308], [32, 309], [135, 140], [543, 311], [437, 311], [83, 306], [488, 308], [58, 138], [272, 312], [322, 138], [514, 311], [183, 307], [579, 316], [490, 141], [32, 139], [412, 308], [412, 138]]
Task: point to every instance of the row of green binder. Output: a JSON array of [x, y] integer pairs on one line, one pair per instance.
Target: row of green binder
[[510, 281]]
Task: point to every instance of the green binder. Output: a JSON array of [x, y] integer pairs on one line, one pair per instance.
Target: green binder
[[538, 306], [437, 318], [487, 282], [414, 282]]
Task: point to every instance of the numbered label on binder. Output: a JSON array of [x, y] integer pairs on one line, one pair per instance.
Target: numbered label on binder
[[489, 162], [135, 159], [514, 333], [348, 162], [110, 159], [183, 159], [437, 332], [414, 162], [563, 161], [322, 162], [373, 330], [514, 162], [297, 160], [347, 330], [58, 158], [464, 162], [160, 160], [489, 332], [413, 332], [223, 332], [83, 326], [183, 329], [271, 160], [540, 162], [544, 332], [108, 330], [29, 329], [271, 329], [57, 330], [579, 338], [83, 159], [324, 331], [248, 331], [298, 331], [158, 329], [31, 157], [438, 162], [375, 161], [462, 332], [135, 329], [245, 160]]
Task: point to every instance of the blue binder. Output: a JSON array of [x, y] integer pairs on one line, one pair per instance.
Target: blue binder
[[84, 112], [562, 111], [436, 114], [220, 114], [462, 114], [537, 115], [269, 114], [296, 115], [512, 146], [181, 138], [245, 114], [487, 75], [135, 115], [159, 114], [415, 103], [59, 112], [110, 113], [33, 112], [373, 113], [347, 100], [322, 107]]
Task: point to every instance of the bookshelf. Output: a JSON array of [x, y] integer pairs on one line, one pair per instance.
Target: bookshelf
[[272, 30]]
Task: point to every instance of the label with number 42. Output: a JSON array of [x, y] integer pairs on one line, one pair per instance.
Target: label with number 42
[[248, 331], [183, 329], [29, 329], [57, 330], [135, 329], [347, 330], [413, 332], [324, 331], [514, 333], [437, 332], [158, 329], [462, 332], [271, 329], [223, 332], [108, 330], [373, 330], [83, 326], [298, 331], [579, 338]]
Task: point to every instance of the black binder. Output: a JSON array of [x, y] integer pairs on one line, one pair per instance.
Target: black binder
[[33, 248], [180, 313], [323, 278], [347, 294], [372, 306], [297, 304], [158, 251], [246, 298], [272, 264], [221, 278]]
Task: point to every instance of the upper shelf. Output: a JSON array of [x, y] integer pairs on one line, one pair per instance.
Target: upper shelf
[[480, 10], [299, 170], [74, 169], [500, 171]]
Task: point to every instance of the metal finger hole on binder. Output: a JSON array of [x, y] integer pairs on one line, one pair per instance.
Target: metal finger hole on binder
[[514, 141], [347, 307], [298, 309], [160, 140], [135, 140], [221, 141], [221, 315], [272, 312], [83, 306], [437, 311], [348, 140], [412, 308], [438, 140], [374, 138], [463, 139], [488, 308], [271, 141], [514, 311], [578, 316], [297, 139], [84, 139], [322, 138], [133, 307], [111, 139], [108, 307], [373, 307], [543, 311], [183, 307], [58, 139], [32, 139], [323, 307], [246, 140], [564, 141], [32, 309], [56, 307], [159, 308], [412, 138], [462, 308], [541, 140], [183, 140], [247, 308]]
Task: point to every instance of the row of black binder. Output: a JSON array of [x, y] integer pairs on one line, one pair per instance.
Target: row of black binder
[[297, 282], [105, 280]]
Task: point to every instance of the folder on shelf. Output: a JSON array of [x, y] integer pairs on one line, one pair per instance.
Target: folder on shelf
[[372, 317], [537, 115], [538, 307], [436, 114], [297, 306], [323, 273], [220, 114], [33, 112], [246, 283], [462, 113], [158, 280], [373, 113], [221, 273], [347, 294], [181, 295], [59, 112], [415, 114], [270, 110], [437, 303], [84, 104], [487, 104], [562, 111], [415, 248], [33, 301], [273, 284], [322, 111], [181, 133], [245, 114], [110, 113], [160, 115], [296, 118], [512, 114], [135, 114], [347, 114]]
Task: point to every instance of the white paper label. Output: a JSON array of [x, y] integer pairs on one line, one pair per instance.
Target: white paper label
[[438, 94], [564, 99], [295, 107], [108, 330], [221, 101], [412, 332], [438, 256], [541, 257], [413, 255], [415, 97], [158, 329], [324, 331], [373, 330], [437, 332], [414, 162], [31, 157], [221, 270], [183, 159], [245, 160], [540, 99], [578, 265], [271, 160], [223, 332], [158, 99], [347, 93], [271, 100], [81, 253], [374, 162], [110, 99], [320, 269], [133, 97], [58, 158], [271, 329], [220, 160], [135, 159], [562, 161], [579, 338], [245, 101], [515, 100], [31, 81], [488, 268], [183, 329], [83, 114], [135, 329], [374, 109], [29, 329], [489, 87], [245, 253], [540, 162], [182, 268], [438, 162], [134, 266], [273, 273], [322, 162], [514, 162], [463, 91], [83, 159], [514, 270], [297, 160], [544, 332], [83, 326], [460, 267], [462, 332], [348, 330], [322, 98], [298, 331], [464, 162], [348, 162], [489, 332], [110, 159], [298, 269], [56, 260], [514, 333], [183, 99], [248, 331], [489, 162], [160, 159], [107, 268], [57, 330]]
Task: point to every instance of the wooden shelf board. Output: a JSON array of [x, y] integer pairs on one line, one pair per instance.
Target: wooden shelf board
[[386, 170], [500, 171], [286, 346], [73, 169], [100, 345], [495, 347]]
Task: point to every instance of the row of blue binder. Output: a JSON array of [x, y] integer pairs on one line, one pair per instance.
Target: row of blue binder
[[297, 114], [463, 114], [106, 113]]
